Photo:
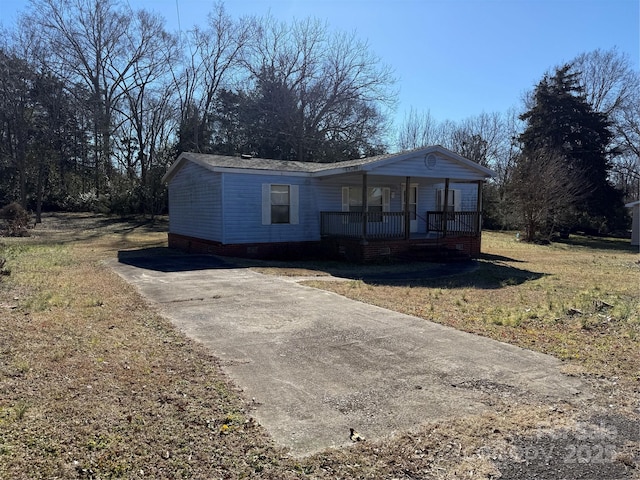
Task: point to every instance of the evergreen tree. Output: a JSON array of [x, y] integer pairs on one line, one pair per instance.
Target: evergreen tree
[[562, 124]]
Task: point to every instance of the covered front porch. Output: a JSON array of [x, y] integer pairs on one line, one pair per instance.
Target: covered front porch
[[434, 219], [373, 237], [397, 225]]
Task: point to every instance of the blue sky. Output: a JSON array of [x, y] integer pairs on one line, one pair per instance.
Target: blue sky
[[454, 58]]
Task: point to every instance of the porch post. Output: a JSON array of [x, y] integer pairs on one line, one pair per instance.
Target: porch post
[[407, 220], [445, 207], [479, 208], [365, 207]]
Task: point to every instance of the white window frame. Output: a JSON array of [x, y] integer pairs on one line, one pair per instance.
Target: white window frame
[[294, 194], [454, 203], [346, 196]]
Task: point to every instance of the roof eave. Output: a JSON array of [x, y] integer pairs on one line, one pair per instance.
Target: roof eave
[[185, 157], [485, 173], [173, 169]]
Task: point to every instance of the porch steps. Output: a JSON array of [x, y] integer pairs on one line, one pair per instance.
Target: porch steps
[[428, 252]]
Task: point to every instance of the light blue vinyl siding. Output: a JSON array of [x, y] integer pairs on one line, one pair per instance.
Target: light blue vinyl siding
[[228, 207], [194, 203], [243, 221], [415, 167]]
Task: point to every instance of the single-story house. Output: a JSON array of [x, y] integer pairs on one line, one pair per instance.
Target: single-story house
[[635, 222], [360, 209]]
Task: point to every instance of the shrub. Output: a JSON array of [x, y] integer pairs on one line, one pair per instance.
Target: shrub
[[16, 220], [83, 202]]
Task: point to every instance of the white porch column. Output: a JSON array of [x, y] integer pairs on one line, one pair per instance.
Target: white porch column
[[479, 208], [365, 207], [407, 219], [445, 207]]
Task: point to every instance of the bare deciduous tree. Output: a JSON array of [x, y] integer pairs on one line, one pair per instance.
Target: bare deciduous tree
[[82, 40], [484, 138], [326, 89], [544, 193], [480, 138], [96, 43], [607, 79], [417, 130], [146, 111], [214, 54], [612, 87]]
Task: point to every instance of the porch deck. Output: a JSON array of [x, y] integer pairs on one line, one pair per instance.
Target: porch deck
[[372, 236], [397, 225]]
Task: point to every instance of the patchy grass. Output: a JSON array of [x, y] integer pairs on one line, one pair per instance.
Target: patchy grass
[[95, 384], [577, 300]]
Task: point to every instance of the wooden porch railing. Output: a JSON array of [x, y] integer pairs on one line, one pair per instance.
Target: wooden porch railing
[[391, 224], [460, 224], [351, 224]]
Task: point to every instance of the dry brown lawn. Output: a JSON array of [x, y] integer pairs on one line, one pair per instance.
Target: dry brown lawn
[[96, 384], [578, 300]]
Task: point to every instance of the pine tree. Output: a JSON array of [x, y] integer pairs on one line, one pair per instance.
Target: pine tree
[[561, 123]]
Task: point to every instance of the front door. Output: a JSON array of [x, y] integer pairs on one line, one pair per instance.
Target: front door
[[413, 206]]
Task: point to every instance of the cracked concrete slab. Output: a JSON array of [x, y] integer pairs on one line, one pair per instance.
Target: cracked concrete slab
[[317, 363]]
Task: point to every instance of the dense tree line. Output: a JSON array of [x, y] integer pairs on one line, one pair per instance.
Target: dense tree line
[[96, 100]]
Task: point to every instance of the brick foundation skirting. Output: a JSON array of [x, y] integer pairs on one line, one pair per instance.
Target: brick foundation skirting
[[350, 249], [469, 245], [354, 250]]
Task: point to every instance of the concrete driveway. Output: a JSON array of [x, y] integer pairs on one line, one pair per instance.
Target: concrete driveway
[[317, 363]]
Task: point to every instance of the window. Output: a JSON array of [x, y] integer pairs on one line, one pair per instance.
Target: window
[[453, 201], [279, 204], [377, 199]]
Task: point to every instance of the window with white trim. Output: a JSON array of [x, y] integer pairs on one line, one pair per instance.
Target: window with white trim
[[454, 200], [377, 200], [279, 204]]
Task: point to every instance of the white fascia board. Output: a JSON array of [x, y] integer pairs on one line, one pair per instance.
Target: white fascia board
[[177, 165]]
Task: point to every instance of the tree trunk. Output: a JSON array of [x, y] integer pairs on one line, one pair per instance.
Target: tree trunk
[[40, 192]]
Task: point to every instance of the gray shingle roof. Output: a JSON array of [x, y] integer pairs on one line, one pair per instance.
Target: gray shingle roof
[[279, 165], [214, 162]]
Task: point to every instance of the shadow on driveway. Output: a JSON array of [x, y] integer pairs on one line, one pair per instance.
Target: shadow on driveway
[[485, 273], [162, 259]]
